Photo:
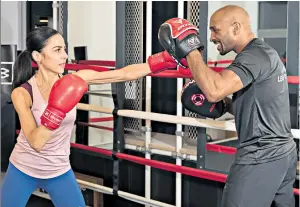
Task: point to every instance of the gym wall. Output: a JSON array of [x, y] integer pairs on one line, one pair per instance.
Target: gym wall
[[13, 23], [93, 24]]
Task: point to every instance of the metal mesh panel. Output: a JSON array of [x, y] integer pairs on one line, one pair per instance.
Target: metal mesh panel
[[193, 12], [60, 25], [133, 54]]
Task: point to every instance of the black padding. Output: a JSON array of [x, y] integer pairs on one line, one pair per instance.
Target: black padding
[[195, 101]]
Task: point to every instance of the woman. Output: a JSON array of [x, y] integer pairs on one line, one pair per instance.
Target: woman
[[45, 102]]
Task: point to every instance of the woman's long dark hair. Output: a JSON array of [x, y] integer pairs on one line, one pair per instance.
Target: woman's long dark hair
[[35, 41]]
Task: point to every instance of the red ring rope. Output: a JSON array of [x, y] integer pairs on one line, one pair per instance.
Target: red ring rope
[[220, 149], [293, 79], [101, 119], [162, 165], [94, 126], [107, 63]]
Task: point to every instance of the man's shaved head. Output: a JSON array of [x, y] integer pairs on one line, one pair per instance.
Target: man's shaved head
[[231, 14], [230, 25]]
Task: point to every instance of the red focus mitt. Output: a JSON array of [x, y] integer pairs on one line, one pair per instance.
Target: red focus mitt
[[195, 101]]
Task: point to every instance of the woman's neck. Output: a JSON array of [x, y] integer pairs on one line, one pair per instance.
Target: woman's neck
[[46, 79]]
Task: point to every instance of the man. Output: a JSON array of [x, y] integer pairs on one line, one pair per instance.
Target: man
[[264, 170]]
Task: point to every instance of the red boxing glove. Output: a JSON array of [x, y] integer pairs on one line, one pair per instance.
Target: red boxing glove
[[186, 70], [161, 61], [64, 95]]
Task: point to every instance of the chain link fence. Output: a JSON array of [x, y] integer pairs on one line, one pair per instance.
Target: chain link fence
[[133, 54], [60, 25], [193, 15]]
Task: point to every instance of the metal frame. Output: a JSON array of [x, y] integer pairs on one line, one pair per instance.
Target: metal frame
[[118, 88], [118, 93], [201, 135]]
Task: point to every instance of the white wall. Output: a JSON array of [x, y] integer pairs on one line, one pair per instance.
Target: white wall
[[13, 23], [92, 24]]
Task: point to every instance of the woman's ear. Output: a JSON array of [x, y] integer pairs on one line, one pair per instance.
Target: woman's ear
[[37, 57]]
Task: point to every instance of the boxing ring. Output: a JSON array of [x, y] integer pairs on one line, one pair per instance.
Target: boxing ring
[[211, 159], [177, 146]]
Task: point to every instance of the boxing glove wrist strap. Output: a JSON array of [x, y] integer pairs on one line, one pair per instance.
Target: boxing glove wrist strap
[[52, 118]]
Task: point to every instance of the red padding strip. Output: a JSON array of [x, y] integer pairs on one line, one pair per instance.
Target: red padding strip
[[219, 62], [293, 79], [176, 74], [92, 149], [220, 149], [107, 63], [101, 119]]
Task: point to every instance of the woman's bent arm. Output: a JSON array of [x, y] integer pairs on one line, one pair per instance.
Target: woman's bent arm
[[36, 136]]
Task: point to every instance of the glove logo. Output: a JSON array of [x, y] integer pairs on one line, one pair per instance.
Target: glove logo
[[178, 21], [193, 41], [55, 119], [198, 99]]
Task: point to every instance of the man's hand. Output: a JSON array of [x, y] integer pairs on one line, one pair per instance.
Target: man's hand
[[194, 100], [179, 37]]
